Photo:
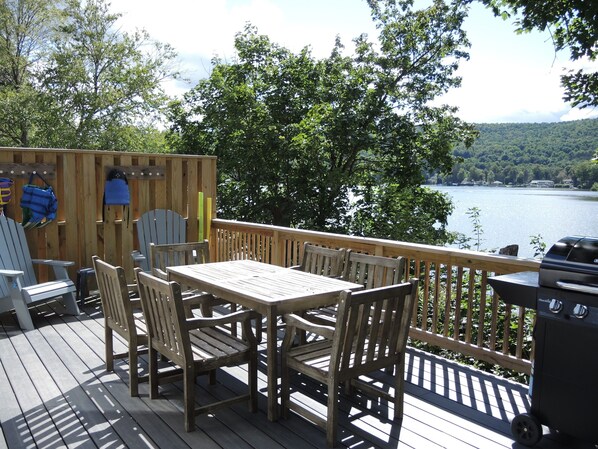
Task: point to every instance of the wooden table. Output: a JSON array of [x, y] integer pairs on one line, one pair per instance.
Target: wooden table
[[269, 290]]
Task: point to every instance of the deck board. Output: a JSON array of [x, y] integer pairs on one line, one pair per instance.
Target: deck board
[[55, 392]]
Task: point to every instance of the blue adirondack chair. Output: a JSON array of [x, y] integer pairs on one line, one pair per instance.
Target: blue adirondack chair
[[160, 227], [17, 277]]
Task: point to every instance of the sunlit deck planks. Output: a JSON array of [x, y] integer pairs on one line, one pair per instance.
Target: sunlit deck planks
[[54, 392]]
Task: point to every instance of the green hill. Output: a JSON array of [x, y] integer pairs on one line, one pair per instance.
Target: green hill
[[516, 153]]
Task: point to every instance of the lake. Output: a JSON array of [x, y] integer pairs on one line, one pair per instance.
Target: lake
[[512, 215]]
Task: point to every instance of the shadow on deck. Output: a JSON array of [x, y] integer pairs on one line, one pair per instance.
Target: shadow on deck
[[55, 393]]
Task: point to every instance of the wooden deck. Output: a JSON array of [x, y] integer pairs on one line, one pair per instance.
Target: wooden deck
[[55, 392]]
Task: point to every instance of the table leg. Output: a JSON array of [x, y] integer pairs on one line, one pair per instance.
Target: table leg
[[272, 360]]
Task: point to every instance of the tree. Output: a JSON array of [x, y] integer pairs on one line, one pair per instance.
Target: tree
[[100, 83], [302, 141], [585, 174], [25, 27], [68, 78], [573, 24]]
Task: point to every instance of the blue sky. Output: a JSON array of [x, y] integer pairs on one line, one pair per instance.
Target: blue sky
[[509, 77]]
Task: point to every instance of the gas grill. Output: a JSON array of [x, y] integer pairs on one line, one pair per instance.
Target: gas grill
[[564, 381]]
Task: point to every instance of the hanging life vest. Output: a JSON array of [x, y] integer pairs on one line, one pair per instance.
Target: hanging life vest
[[116, 192]]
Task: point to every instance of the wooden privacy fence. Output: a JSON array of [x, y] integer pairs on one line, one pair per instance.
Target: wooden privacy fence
[[83, 227], [457, 309]]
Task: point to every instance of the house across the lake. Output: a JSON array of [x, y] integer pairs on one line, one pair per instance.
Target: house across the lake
[[542, 183]]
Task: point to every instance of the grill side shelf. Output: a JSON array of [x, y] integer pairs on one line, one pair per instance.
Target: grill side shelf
[[518, 289]]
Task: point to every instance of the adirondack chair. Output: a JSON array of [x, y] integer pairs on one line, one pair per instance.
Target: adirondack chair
[[321, 260], [196, 345], [382, 317], [17, 276], [159, 226]]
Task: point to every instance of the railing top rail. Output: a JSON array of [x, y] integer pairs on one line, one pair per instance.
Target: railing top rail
[[452, 256]]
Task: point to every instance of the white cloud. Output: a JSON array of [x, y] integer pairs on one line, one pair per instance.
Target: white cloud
[[579, 114]]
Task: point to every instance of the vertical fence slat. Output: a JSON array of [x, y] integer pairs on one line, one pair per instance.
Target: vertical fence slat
[[482, 310], [448, 307]]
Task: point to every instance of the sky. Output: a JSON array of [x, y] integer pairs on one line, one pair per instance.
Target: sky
[[508, 78]]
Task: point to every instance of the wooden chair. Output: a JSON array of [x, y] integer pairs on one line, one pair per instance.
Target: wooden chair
[[322, 260], [174, 254], [374, 271], [381, 318], [123, 315], [509, 250], [17, 276], [196, 345], [159, 226], [162, 256], [371, 271]]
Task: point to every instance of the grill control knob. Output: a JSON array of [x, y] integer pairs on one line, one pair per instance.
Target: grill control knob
[[555, 306], [580, 311]]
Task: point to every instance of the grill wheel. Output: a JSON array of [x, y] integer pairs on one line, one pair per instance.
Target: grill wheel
[[526, 429]]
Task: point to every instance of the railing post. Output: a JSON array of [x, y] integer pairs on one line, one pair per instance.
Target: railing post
[[277, 256]]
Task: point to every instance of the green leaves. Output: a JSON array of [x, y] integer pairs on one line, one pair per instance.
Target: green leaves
[[72, 80], [299, 140]]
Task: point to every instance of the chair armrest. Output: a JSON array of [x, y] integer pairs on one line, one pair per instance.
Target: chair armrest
[[195, 300], [10, 274], [59, 266], [316, 316], [137, 256], [296, 322], [160, 273], [55, 263], [235, 317]]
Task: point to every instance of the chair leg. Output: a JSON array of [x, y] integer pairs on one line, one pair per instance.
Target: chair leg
[[285, 394], [109, 347], [332, 417], [252, 381], [189, 398], [133, 371], [22, 311], [153, 372], [258, 328], [399, 390], [70, 302]]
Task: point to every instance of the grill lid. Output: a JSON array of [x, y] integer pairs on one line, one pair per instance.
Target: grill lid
[[572, 260]]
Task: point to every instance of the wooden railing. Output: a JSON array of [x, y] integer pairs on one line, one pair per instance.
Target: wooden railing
[[457, 309]]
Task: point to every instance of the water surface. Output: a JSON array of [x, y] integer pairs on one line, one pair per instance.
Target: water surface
[[512, 215]]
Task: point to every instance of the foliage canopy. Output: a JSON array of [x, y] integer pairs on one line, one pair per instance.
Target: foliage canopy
[[517, 153], [338, 144], [70, 79]]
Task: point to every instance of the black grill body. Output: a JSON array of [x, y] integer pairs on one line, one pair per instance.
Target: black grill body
[[564, 382]]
